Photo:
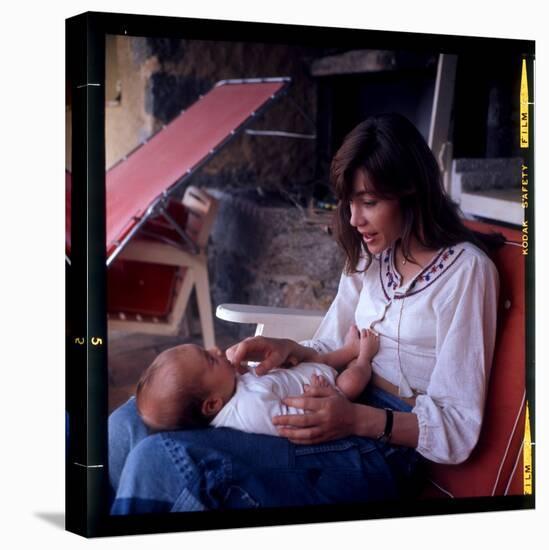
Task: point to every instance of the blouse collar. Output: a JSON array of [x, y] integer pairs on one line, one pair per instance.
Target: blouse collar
[[391, 279]]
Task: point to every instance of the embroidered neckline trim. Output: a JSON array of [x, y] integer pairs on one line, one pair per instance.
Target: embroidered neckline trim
[[389, 278]]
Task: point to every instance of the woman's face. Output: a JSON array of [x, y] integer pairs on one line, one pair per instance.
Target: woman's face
[[379, 221]]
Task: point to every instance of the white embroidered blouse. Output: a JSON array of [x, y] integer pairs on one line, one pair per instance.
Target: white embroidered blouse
[[437, 337]]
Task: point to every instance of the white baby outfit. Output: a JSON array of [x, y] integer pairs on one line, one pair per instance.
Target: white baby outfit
[[258, 398]]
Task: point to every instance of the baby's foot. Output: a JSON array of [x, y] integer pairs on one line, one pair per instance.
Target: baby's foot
[[317, 381], [369, 344]]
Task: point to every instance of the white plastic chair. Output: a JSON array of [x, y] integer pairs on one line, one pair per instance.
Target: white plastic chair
[[276, 322]]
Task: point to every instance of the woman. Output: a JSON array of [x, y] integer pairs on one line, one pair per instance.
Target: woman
[[414, 274]]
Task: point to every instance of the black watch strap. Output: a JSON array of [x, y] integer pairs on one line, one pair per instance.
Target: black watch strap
[[385, 437]]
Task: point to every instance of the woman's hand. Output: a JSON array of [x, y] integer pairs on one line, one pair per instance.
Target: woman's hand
[[272, 352], [328, 415]]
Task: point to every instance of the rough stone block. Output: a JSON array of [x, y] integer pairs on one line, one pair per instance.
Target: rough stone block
[[485, 174], [271, 256]]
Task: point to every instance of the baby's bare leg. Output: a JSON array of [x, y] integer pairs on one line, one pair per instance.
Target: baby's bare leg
[[356, 376]]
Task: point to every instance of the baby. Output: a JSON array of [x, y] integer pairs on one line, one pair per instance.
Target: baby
[[189, 387]]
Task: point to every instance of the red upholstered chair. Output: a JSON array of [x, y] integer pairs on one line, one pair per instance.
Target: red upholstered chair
[[495, 466]]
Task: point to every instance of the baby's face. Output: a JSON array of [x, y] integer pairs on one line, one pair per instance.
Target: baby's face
[[218, 375]]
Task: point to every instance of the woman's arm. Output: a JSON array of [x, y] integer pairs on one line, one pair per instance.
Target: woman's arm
[[450, 413], [329, 416], [276, 352], [271, 352], [370, 422]]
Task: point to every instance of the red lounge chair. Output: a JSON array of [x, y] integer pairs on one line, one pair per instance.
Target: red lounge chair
[[138, 191], [150, 283]]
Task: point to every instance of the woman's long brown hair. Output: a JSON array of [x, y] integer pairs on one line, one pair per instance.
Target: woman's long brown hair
[[400, 165]]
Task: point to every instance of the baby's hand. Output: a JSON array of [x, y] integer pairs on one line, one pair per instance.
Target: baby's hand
[[369, 344]]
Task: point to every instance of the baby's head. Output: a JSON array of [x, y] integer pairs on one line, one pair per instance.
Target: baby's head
[[185, 387]]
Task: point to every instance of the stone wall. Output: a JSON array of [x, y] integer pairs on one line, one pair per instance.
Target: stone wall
[[127, 123], [270, 256], [487, 174]]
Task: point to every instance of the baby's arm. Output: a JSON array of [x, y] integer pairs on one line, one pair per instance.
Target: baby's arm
[[354, 347], [356, 376], [340, 358]]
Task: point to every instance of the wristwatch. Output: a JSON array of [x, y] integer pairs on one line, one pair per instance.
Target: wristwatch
[[385, 437]]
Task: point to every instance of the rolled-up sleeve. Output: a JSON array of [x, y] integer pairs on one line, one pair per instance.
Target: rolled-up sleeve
[[450, 412]]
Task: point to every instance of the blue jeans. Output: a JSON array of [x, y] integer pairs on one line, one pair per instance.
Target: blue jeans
[[217, 468]]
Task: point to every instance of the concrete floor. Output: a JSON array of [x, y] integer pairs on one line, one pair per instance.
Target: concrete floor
[[131, 353]]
